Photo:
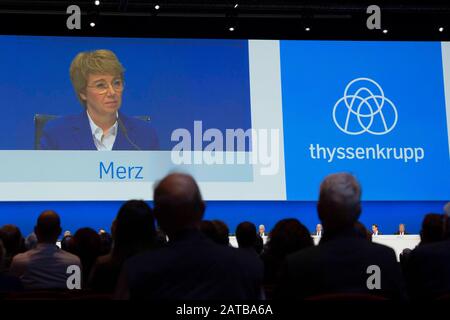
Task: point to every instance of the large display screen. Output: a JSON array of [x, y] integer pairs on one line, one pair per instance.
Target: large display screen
[[104, 118]]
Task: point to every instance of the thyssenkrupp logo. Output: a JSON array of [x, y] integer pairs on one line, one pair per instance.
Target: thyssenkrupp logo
[[363, 110]]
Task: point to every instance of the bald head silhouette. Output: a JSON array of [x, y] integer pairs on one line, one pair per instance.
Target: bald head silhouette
[[48, 227], [178, 203]]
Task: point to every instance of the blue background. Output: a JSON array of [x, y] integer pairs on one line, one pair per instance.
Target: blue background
[[314, 77], [98, 215], [174, 81], [163, 80]]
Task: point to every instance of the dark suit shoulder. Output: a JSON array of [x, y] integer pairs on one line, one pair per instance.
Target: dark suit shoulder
[[437, 248], [104, 260], [378, 247], [339, 265], [67, 133], [194, 268], [193, 255], [135, 123], [62, 123], [141, 132], [346, 247], [428, 270], [205, 250]]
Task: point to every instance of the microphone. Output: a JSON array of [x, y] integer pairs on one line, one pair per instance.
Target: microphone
[[124, 131]]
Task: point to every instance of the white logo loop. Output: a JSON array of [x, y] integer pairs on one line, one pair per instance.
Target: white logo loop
[[374, 103]]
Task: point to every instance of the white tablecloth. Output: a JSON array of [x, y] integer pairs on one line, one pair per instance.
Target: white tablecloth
[[398, 243], [233, 241]]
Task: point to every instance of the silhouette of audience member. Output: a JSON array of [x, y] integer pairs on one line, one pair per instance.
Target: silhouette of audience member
[[428, 266], [161, 237], [223, 233], [191, 267], [288, 236], [45, 266], [432, 228], [67, 243], [133, 232], [247, 238], [31, 241], [446, 223], [86, 244], [259, 244], [362, 231], [8, 283], [338, 265], [404, 259], [13, 243], [105, 242], [209, 230]]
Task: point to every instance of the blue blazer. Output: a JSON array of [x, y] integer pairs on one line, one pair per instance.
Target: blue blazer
[[74, 133]]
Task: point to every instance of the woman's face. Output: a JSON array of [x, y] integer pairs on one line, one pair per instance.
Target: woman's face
[[103, 94]]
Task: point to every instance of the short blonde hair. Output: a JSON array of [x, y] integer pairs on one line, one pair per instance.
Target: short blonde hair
[[93, 62]]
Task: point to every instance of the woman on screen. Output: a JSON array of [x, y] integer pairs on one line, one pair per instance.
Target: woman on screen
[[98, 80]]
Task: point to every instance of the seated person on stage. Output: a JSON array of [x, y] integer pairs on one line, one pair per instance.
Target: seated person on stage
[[191, 266], [44, 267], [98, 80], [318, 232], [401, 230], [262, 230], [375, 230], [339, 264]]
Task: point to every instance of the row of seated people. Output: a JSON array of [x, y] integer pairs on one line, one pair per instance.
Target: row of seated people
[[375, 230], [197, 263], [319, 230]]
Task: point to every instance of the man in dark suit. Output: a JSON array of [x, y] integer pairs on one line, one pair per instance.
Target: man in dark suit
[[191, 267], [342, 262], [8, 283], [318, 232], [98, 80], [375, 230]]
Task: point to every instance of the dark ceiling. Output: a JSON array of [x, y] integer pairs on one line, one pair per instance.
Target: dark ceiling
[[418, 20]]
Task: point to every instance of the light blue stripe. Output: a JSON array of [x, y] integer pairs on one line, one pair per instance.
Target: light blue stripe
[[80, 166]]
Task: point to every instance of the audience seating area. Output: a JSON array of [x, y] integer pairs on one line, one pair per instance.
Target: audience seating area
[[171, 252]]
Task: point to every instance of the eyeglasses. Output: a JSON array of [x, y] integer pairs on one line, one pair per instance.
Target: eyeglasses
[[101, 87]]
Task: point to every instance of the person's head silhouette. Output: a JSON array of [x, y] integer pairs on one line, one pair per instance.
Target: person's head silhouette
[[178, 204]]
